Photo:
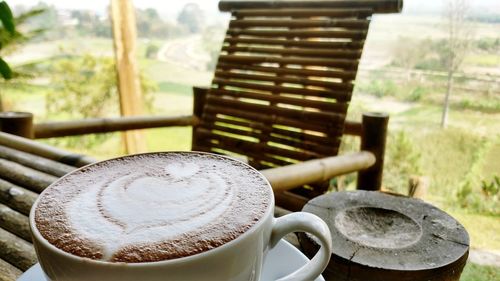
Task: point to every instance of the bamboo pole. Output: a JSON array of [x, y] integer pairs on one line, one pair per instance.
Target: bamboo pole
[[379, 6], [304, 12], [318, 170], [16, 197], [352, 45], [15, 222], [16, 251], [34, 161], [24, 176], [294, 80], [353, 128], [337, 63], [373, 139], [104, 125], [44, 150], [17, 123], [347, 34], [8, 271], [340, 74], [124, 38], [199, 98], [300, 23]]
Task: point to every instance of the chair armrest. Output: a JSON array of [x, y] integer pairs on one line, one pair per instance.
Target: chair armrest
[[317, 170]]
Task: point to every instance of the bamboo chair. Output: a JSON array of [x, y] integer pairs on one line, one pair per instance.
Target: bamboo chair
[[281, 90], [279, 97]]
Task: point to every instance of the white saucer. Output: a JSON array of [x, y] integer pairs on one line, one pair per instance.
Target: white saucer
[[280, 261]]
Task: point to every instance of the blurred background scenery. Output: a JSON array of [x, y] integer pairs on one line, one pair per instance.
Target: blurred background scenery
[[63, 68]]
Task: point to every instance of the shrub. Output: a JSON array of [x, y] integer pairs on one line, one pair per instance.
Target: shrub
[[416, 94], [152, 51], [475, 193], [403, 160], [379, 88]]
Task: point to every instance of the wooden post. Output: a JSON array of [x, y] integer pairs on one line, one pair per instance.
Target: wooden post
[[17, 123], [199, 97], [124, 35], [373, 139]]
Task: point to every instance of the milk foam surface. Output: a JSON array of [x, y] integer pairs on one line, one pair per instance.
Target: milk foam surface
[[152, 207]]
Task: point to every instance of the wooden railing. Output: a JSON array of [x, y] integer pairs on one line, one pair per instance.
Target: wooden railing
[[369, 162], [106, 125]]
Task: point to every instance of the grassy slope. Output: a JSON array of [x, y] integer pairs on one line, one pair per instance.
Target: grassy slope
[[474, 272]]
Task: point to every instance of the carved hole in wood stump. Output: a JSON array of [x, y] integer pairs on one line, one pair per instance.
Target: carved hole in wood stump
[[378, 227]]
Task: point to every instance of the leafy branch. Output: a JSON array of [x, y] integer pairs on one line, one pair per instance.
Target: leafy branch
[[8, 24]]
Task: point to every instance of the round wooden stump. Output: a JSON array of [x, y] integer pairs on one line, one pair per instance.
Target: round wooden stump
[[382, 237]]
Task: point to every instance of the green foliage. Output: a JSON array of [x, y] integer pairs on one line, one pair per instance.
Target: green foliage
[[491, 189], [151, 51], [5, 70], [488, 44], [416, 94], [10, 37], [409, 52], [484, 104], [486, 17], [7, 18], [403, 160], [8, 30], [90, 23], [473, 192], [85, 87], [476, 272], [379, 87], [150, 25], [434, 55]]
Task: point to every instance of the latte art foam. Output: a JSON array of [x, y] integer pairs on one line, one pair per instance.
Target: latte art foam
[[152, 207]]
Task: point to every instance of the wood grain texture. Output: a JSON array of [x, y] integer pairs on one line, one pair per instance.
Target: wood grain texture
[[8, 272], [16, 251], [412, 240], [27, 177], [15, 222], [378, 6], [283, 82], [16, 197], [35, 162]]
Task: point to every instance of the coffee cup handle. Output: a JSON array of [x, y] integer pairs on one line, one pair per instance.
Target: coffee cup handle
[[305, 222]]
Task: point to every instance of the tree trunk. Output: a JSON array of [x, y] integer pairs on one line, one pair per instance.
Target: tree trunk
[[444, 118], [129, 89]]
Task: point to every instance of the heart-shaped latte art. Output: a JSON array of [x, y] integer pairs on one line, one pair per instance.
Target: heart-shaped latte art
[[142, 208]]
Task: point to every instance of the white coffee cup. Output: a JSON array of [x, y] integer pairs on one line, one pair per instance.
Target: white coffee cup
[[239, 259]]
